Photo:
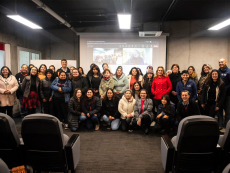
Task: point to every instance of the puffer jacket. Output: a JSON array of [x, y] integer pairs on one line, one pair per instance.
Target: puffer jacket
[[161, 86], [126, 107], [91, 108], [105, 85], [10, 84], [121, 84], [74, 113], [147, 109], [45, 90]]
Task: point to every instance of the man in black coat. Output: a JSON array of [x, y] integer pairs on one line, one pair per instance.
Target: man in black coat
[[187, 107]]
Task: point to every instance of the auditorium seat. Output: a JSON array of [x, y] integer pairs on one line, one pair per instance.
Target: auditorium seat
[[46, 147], [10, 149], [224, 142], [195, 147], [3, 167]]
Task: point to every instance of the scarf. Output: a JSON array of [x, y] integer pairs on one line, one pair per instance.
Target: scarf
[[24, 74], [106, 78]]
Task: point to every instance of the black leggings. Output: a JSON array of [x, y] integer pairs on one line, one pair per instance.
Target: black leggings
[[211, 110], [62, 109], [145, 120], [48, 107], [7, 110], [125, 123]]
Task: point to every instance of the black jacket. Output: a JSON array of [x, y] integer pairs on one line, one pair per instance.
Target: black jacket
[[95, 107], [89, 77], [45, 90], [148, 86], [19, 78], [175, 78], [110, 108], [221, 92], [80, 83], [74, 114], [193, 109], [26, 85]]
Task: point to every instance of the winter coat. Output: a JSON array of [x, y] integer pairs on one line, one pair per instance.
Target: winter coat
[[89, 77], [190, 86], [10, 84], [172, 118], [148, 85], [66, 89], [220, 94], [121, 84], [225, 76], [194, 77], [141, 80], [147, 109], [126, 107], [45, 90], [161, 86], [73, 116], [105, 85], [193, 109], [110, 108], [19, 78], [201, 84], [91, 108], [174, 78], [26, 84], [81, 83]]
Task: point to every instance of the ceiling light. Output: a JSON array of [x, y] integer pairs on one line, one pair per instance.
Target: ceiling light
[[124, 21], [24, 21], [220, 25]]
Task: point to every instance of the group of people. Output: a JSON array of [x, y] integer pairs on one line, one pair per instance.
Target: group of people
[[79, 99]]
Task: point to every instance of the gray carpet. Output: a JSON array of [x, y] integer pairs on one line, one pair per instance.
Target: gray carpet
[[116, 151]]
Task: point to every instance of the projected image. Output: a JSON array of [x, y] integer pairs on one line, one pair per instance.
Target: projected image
[[112, 56], [137, 56]]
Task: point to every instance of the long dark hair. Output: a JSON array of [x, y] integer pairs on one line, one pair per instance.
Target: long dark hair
[[52, 66], [86, 98], [36, 68], [134, 91], [167, 108], [50, 71], [97, 68], [114, 95], [147, 79], [10, 73], [209, 80], [41, 67], [81, 70], [140, 71], [137, 76], [202, 70]]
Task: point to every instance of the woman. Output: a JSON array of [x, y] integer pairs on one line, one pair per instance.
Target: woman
[[148, 68], [42, 71], [30, 89], [140, 72], [8, 88], [165, 114], [91, 107], [126, 109], [161, 85], [45, 92], [186, 84], [106, 83], [61, 94], [148, 82], [213, 94], [75, 109], [205, 73], [175, 77], [136, 90], [143, 115], [71, 69], [81, 71], [30, 66], [192, 74], [52, 67], [111, 114], [78, 81], [94, 77], [120, 82], [133, 77]]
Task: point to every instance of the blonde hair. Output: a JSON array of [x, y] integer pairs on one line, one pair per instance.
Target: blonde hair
[[157, 72]]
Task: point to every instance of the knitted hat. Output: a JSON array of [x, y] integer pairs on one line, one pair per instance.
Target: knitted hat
[[149, 71]]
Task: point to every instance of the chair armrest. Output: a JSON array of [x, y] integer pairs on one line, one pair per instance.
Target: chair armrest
[[72, 149], [167, 153]]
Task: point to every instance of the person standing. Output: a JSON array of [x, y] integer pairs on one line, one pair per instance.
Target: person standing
[[42, 71], [192, 74], [106, 83], [148, 82], [64, 67], [134, 76], [8, 88], [20, 76], [94, 78]]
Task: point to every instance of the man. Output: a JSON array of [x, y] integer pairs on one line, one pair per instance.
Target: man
[[186, 107], [64, 66], [20, 76], [225, 76]]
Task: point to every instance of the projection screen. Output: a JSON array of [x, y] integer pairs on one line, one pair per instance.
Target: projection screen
[[126, 50]]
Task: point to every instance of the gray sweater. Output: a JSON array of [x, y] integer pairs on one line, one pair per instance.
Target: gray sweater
[[121, 84]]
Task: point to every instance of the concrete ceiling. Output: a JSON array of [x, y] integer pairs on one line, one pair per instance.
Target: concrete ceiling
[[82, 13]]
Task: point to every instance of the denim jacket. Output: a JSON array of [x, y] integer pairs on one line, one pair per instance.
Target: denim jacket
[[66, 89]]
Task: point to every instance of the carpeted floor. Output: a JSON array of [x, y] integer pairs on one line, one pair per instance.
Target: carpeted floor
[[116, 151]]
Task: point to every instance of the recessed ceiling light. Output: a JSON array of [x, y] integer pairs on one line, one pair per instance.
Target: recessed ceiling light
[[124, 21]]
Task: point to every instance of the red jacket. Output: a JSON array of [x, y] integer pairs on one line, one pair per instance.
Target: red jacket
[[161, 86]]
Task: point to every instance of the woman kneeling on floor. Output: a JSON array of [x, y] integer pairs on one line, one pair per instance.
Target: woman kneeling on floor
[[143, 114], [91, 107], [111, 115], [75, 109]]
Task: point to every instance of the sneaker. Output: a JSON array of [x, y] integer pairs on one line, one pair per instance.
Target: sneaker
[[130, 131], [66, 126], [97, 127]]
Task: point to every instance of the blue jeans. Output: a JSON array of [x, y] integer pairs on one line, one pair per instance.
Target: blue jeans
[[22, 110], [227, 112], [114, 123], [90, 121]]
